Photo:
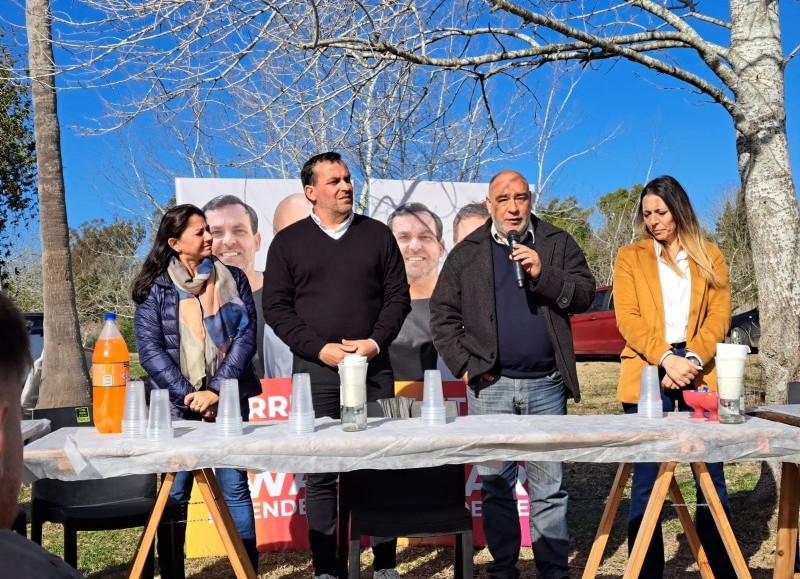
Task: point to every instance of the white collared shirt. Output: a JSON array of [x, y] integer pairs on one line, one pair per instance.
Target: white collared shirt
[[676, 293], [504, 240], [336, 232]]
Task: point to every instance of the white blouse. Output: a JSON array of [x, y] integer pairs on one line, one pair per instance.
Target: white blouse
[[676, 292]]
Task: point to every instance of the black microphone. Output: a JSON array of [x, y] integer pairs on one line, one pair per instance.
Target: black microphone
[[519, 274]]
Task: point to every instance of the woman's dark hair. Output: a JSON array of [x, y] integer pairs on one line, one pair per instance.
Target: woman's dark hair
[[173, 224]]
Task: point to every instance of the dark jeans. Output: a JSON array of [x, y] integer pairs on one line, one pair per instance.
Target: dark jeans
[[644, 477], [321, 496]]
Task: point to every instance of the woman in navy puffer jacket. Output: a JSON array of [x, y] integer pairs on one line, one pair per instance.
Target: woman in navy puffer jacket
[[195, 326]]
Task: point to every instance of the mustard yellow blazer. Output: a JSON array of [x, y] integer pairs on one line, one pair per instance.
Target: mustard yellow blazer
[[639, 308]]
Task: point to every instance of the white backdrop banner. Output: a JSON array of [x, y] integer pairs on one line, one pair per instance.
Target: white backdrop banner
[[263, 195]]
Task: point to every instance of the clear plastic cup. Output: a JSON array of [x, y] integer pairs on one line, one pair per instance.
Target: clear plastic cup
[[159, 422], [301, 423], [433, 410], [650, 405], [301, 393], [301, 409], [650, 409], [649, 385], [432, 394], [134, 416], [229, 414]]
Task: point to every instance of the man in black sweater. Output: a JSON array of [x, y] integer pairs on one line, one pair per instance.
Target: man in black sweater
[[334, 285], [512, 345]]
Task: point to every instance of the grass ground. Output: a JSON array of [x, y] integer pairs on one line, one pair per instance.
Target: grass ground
[[105, 555]]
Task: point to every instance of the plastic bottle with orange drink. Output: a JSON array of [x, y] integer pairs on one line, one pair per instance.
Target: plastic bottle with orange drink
[[110, 368]]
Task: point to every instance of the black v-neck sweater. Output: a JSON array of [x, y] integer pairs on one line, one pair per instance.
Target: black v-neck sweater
[[319, 290]]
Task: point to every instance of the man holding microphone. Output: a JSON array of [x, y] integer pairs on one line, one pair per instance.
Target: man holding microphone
[[500, 320]]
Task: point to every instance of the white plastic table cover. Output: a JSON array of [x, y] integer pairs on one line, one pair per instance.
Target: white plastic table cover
[[83, 453], [32, 429]]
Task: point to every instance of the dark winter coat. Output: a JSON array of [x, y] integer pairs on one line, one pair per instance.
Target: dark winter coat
[[158, 341], [463, 320]]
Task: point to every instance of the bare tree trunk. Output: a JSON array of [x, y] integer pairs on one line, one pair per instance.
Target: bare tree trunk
[[65, 381], [774, 220]]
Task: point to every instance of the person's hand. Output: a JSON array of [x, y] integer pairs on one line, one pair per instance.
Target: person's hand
[[333, 354], [528, 258], [487, 376], [669, 384], [680, 371], [363, 347], [203, 402]]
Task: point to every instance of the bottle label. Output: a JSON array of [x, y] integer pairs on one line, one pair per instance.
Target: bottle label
[[110, 374]]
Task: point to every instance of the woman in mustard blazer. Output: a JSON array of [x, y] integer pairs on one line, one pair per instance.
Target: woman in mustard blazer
[[672, 302]]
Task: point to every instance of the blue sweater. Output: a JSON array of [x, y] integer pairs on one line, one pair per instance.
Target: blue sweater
[[524, 346]]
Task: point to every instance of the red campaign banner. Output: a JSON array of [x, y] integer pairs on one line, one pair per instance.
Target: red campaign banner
[[279, 498]]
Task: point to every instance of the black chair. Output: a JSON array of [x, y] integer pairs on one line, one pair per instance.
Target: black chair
[[93, 505], [20, 525], [417, 502]]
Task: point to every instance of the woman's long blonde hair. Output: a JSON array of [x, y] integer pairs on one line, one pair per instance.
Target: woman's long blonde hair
[[690, 234]]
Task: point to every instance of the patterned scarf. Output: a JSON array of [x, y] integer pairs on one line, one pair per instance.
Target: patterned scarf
[[211, 316]]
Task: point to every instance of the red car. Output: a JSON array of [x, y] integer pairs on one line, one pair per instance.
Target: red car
[[594, 332]]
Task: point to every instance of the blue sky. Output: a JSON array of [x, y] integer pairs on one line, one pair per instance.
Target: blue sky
[[661, 132]]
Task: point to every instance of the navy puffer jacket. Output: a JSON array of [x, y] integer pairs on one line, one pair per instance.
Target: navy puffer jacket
[[158, 341]]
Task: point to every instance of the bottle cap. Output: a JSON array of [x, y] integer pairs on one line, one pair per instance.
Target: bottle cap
[[110, 316]]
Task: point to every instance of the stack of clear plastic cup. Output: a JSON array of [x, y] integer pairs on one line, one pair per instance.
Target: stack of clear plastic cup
[[433, 410], [159, 422], [134, 416], [301, 408], [650, 404], [229, 413]]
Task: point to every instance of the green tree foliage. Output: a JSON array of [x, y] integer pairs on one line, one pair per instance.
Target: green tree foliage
[[616, 211], [104, 262], [733, 237], [23, 282], [17, 150], [126, 328], [569, 216]]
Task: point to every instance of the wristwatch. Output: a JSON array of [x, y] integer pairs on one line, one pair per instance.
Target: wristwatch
[[695, 360]]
